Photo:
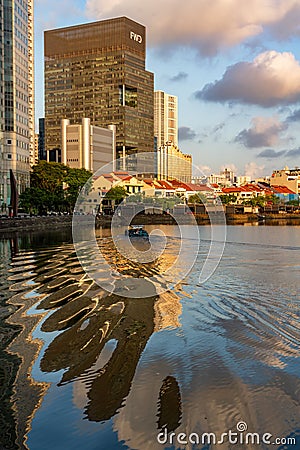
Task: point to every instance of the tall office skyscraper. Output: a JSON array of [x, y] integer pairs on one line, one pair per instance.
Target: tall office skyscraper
[[97, 70], [165, 118], [16, 94]]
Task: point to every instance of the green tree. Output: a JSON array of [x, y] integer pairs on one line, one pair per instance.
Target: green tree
[[293, 202], [115, 196], [167, 202], [273, 199], [227, 199], [197, 198], [137, 198], [260, 200], [117, 193], [53, 187], [48, 175], [75, 180]]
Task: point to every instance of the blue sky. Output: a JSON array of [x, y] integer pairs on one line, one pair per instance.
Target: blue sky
[[234, 65]]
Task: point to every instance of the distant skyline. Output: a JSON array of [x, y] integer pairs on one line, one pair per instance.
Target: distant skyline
[[235, 67]]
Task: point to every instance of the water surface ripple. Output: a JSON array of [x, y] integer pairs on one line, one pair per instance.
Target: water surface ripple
[[83, 368]]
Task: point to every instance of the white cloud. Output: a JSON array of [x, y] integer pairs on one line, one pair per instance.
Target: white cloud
[[203, 169], [272, 78], [254, 170], [203, 24]]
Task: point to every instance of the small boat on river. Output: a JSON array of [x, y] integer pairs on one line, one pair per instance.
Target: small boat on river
[[137, 232]]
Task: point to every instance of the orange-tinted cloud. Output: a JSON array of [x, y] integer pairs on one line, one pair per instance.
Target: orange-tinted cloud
[[271, 79], [204, 24]]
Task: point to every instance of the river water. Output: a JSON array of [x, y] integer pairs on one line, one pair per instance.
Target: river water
[[81, 368]]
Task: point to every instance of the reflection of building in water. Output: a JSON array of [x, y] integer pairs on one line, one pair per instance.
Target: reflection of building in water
[[114, 361], [112, 330], [212, 400], [21, 394], [167, 311], [215, 397], [28, 393]]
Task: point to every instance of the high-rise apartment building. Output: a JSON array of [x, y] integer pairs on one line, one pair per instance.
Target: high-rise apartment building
[[16, 95], [97, 70], [165, 118]]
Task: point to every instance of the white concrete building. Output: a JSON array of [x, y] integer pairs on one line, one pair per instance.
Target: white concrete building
[[242, 179], [87, 146]]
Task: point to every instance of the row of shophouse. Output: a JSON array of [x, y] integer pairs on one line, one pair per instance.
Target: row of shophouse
[[250, 191], [147, 190]]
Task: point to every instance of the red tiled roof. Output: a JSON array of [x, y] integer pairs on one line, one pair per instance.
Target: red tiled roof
[[179, 184], [244, 188], [252, 187], [154, 184], [269, 192], [228, 190], [282, 190], [159, 185], [107, 176], [122, 176], [199, 187], [166, 184]]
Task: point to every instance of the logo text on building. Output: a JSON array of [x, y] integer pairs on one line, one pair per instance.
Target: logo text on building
[[136, 37]]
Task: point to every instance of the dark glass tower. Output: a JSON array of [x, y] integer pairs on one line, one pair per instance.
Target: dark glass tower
[[41, 142], [97, 70]]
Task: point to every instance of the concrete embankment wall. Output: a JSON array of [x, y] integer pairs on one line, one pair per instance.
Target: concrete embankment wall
[[35, 223], [63, 222]]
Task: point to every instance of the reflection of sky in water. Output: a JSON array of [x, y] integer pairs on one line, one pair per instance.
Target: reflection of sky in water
[[234, 351]]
